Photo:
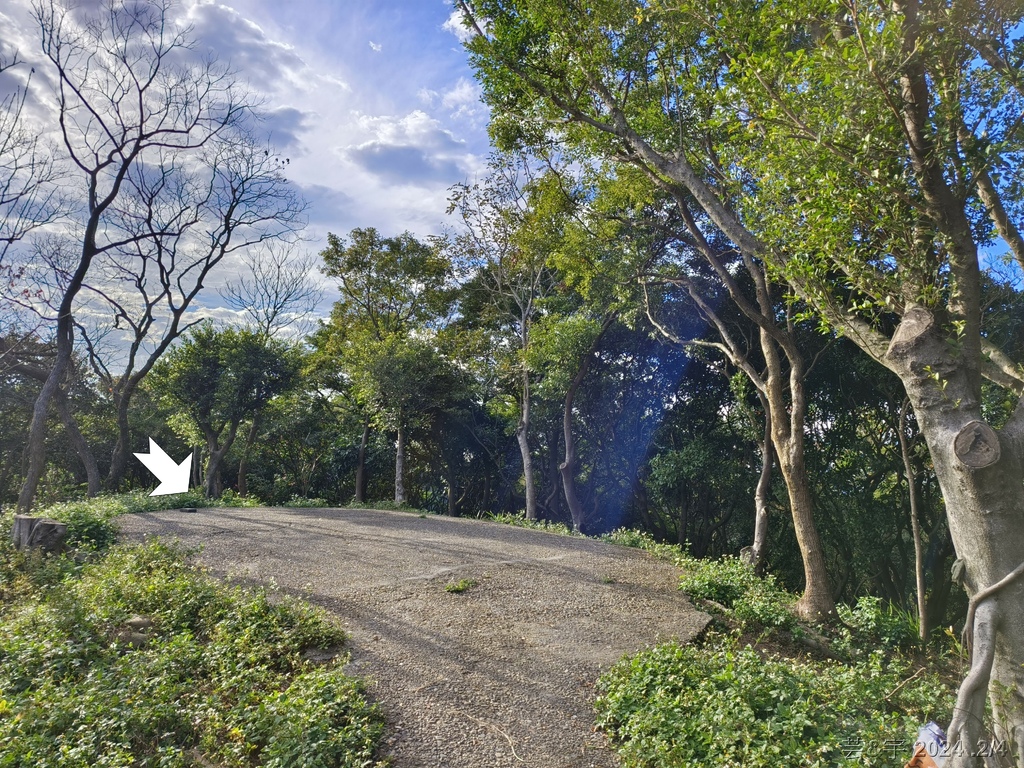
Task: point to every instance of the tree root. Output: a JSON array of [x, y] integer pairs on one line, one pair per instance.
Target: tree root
[[968, 714]]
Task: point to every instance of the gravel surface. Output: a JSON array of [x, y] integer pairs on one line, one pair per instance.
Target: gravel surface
[[501, 674]]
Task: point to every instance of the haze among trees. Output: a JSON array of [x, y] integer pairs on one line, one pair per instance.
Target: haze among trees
[[745, 277]]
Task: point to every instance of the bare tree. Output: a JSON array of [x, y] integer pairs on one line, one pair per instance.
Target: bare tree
[[494, 238], [171, 177], [28, 198], [275, 292]]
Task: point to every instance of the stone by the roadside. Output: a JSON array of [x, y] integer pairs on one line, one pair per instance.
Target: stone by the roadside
[[41, 532]]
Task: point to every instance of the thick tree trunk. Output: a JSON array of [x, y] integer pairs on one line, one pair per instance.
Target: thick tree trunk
[[360, 494], [787, 427], [817, 600], [979, 470], [92, 469], [212, 485], [119, 457], [400, 466]]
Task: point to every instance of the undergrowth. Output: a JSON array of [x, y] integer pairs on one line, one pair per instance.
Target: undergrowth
[[726, 705], [520, 521], [140, 659], [735, 700], [89, 520]]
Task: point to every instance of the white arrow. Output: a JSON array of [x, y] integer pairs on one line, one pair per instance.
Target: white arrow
[[173, 477]]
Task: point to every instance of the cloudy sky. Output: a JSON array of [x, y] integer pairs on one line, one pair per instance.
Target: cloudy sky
[[372, 101]]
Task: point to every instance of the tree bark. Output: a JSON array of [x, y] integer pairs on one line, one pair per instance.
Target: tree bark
[[92, 469], [400, 466], [523, 439], [360, 495], [568, 467], [761, 497], [979, 470], [212, 485], [243, 464], [915, 526]]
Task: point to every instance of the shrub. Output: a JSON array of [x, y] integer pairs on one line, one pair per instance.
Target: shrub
[[90, 524], [873, 622], [753, 600], [722, 705], [520, 521], [219, 674], [300, 501]]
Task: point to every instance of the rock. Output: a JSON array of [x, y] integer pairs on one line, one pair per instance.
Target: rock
[[190, 510], [139, 623], [127, 637], [41, 532]]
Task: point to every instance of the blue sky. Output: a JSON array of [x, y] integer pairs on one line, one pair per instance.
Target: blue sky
[[372, 102]]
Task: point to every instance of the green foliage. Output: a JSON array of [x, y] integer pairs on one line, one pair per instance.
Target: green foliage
[[722, 705], [460, 586], [520, 521], [873, 623], [631, 537], [753, 600], [90, 523], [217, 673], [299, 501]]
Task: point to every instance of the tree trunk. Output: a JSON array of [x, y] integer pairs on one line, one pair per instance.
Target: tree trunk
[[979, 470], [212, 486], [762, 495], [523, 439], [243, 464], [360, 494], [450, 482], [551, 499], [92, 470], [119, 457], [817, 600], [915, 526], [400, 466], [568, 467]]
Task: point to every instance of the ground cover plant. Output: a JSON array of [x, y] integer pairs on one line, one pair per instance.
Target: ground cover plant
[[137, 658], [89, 520], [764, 689], [725, 704]]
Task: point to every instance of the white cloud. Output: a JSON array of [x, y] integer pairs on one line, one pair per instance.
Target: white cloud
[[376, 46], [456, 27], [427, 96], [409, 150], [465, 93]]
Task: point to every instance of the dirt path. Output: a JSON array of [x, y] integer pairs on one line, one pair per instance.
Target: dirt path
[[499, 675]]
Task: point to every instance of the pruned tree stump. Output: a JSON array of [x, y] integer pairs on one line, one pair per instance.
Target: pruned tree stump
[[39, 533], [977, 445]]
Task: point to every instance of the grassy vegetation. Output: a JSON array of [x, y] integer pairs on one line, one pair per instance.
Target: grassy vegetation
[[754, 693], [89, 519], [456, 587], [137, 658], [722, 703]]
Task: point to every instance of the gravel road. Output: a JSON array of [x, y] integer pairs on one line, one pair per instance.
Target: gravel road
[[499, 675]]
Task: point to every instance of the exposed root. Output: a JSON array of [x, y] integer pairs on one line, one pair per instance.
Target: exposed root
[[494, 728], [969, 712]]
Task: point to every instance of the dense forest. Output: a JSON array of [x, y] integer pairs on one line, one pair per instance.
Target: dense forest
[[743, 277]]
